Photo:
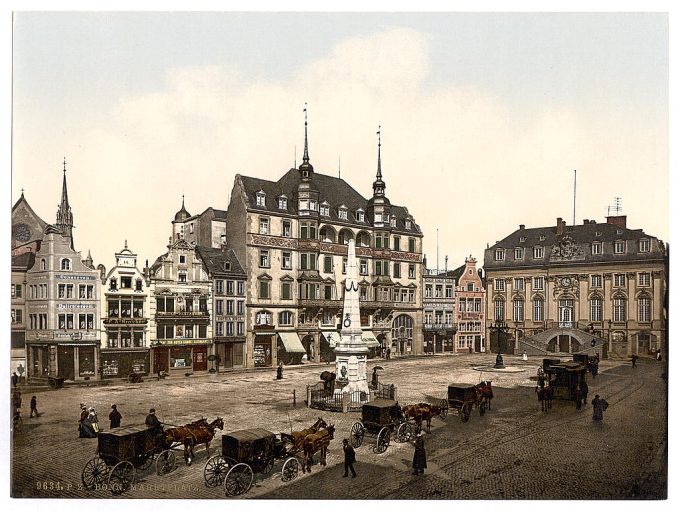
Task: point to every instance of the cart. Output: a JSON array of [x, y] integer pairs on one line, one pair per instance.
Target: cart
[[245, 452], [123, 451], [564, 377], [381, 417], [55, 382], [464, 398]]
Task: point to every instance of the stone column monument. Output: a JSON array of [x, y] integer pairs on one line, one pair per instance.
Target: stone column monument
[[351, 351]]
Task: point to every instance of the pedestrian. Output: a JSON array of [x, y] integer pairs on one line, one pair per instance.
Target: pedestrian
[[658, 355], [15, 379], [599, 406], [524, 356], [470, 349], [388, 352], [279, 371], [34, 407], [578, 396], [115, 417], [594, 366], [633, 359], [350, 458], [584, 391], [419, 457], [85, 428], [384, 354], [94, 419]]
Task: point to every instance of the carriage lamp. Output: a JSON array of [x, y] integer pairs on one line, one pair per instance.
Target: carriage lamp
[[499, 327]]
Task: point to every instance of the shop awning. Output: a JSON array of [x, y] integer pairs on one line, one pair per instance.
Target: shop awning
[[291, 342], [331, 336], [370, 339]]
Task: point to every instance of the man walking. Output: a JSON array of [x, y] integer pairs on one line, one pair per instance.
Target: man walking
[[599, 406], [584, 392], [350, 458], [34, 407], [634, 360], [578, 396], [15, 379], [115, 417]]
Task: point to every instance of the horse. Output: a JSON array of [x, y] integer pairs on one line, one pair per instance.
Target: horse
[[316, 442], [197, 432], [328, 379], [485, 392], [545, 396], [298, 437], [421, 412]]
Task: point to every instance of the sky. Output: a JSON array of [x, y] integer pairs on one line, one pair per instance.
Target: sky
[[484, 117]]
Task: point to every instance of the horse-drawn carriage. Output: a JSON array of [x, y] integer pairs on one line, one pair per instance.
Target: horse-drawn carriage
[[563, 378], [247, 451], [464, 398], [381, 417], [123, 451], [422, 413]]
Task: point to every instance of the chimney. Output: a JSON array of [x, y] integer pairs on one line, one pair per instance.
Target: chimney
[[560, 226], [446, 264], [618, 221], [521, 227], [586, 221]]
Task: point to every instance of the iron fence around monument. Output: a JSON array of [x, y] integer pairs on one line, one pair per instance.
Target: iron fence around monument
[[323, 397]]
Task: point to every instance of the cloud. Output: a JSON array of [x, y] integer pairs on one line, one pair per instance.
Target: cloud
[[461, 159]]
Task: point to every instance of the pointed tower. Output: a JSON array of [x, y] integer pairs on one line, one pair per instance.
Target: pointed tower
[[178, 223], [307, 193], [64, 216], [378, 205]]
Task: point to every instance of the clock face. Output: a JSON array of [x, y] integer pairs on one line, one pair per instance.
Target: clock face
[[21, 232], [566, 281]]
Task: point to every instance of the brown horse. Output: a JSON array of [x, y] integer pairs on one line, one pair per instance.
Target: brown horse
[[485, 392], [197, 432], [298, 437], [422, 412], [545, 396], [316, 442]]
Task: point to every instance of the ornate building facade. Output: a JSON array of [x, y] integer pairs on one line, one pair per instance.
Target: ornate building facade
[[566, 289], [125, 318], [470, 308], [439, 306], [291, 236]]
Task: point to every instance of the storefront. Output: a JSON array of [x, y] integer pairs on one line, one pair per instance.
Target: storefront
[[122, 363], [231, 352], [372, 342], [290, 348], [180, 359]]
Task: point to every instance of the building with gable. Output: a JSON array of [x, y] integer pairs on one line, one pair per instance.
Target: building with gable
[[291, 237], [207, 229], [595, 287]]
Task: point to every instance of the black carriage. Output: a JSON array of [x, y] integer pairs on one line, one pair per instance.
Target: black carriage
[[123, 451], [245, 452], [464, 398], [381, 417], [564, 377]]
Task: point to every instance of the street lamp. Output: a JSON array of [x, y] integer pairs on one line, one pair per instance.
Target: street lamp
[[499, 327]]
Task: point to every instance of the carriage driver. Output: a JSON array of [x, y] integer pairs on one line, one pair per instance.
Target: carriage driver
[[153, 423]]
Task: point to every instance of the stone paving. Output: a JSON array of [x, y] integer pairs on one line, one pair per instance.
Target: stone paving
[[514, 451]]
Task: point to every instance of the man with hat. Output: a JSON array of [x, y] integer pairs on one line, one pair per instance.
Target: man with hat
[[152, 421], [419, 459], [115, 417]]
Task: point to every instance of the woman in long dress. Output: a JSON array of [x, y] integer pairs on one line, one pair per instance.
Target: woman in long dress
[[419, 457]]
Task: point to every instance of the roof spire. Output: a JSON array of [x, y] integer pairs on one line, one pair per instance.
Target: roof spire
[[306, 168], [64, 216], [378, 184], [126, 244], [379, 175]]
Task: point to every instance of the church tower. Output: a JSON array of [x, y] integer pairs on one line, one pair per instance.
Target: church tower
[[64, 216], [307, 193]]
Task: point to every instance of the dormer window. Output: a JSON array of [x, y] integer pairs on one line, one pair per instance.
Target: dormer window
[[619, 247], [393, 221], [522, 239], [312, 205], [260, 199], [65, 264], [596, 248], [519, 253], [324, 209], [227, 266], [619, 231], [408, 224], [283, 203], [378, 217], [342, 213], [644, 246], [360, 215], [598, 233], [500, 254], [541, 238]]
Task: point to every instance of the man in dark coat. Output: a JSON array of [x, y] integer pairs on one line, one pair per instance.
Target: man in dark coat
[[350, 458], [85, 427], [633, 359], [279, 371], [599, 406], [34, 407], [152, 422], [15, 379], [419, 457], [115, 417], [578, 397], [584, 392]]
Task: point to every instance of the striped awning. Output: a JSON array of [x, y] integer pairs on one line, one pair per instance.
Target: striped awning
[[291, 341], [370, 339]]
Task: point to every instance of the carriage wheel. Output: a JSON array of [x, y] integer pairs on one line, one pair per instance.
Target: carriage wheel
[[465, 412], [290, 469], [95, 473], [357, 434], [165, 462], [383, 441], [482, 408], [444, 408], [238, 480], [268, 466], [215, 471], [121, 477], [404, 432]]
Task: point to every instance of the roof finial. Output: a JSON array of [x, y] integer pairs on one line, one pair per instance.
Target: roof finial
[[182, 200], [126, 244], [64, 164], [22, 192], [379, 175], [305, 157]]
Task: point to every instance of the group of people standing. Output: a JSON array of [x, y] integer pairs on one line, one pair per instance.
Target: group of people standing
[[88, 425]]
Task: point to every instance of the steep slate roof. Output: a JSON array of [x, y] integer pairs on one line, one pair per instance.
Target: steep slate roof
[[215, 258], [23, 261], [583, 236], [333, 190]]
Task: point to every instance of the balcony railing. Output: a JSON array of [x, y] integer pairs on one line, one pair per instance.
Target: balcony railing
[[439, 326], [183, 314]]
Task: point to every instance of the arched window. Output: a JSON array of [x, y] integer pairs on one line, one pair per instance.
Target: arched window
[[596, 308], [43, 264], [345, 236], [402, 327], [644, 309], [538, 309], [263, 318], [518, 310], [65, 264], [619, 308], [499, 309]]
